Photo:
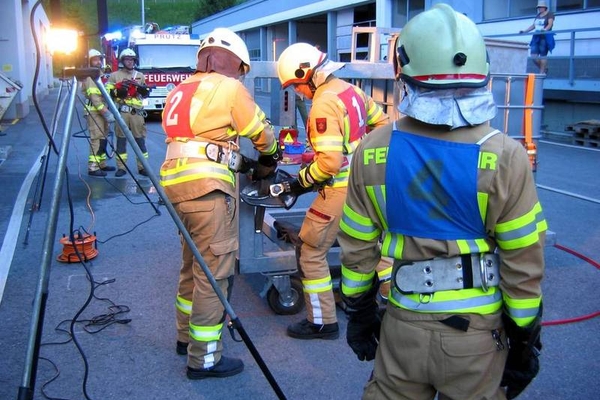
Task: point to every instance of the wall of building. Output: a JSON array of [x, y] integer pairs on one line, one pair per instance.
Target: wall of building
[[256, 13], [18, 52], [511, 58]]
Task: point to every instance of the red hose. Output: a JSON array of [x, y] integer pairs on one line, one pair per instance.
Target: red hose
[[576, 254], [583, 317]]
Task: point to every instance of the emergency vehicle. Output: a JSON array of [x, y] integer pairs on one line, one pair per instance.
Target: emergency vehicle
[[166, 57]]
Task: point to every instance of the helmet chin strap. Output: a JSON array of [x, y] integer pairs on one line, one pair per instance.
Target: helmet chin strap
[[311, 86]]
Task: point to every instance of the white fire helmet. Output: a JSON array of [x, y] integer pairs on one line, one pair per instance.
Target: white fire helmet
[[228, 40], [298, 62], [127, 53], [94, 53]]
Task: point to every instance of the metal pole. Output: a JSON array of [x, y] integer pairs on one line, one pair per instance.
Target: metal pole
[[41, 295], [143, 16]]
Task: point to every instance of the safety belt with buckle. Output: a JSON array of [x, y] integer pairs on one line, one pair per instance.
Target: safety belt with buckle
[[461, 272], [229, 155], [125, 108]]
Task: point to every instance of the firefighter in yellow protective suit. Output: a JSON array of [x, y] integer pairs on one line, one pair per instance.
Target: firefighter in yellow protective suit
[[203, 118], [98, 119], [340, 116], [456, 203], [128, 88]]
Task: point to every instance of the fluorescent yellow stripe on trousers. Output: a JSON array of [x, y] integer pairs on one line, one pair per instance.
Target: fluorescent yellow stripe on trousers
[[317, 285], [183, 305], [206, 333]]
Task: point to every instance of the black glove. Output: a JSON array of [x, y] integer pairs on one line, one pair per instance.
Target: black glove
[[143, 91], [364, 323], [120, 92], [291, 186], [265, 166], [522, 364]]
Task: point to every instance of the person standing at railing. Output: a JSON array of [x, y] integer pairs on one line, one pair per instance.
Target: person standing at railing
[[541, 41]]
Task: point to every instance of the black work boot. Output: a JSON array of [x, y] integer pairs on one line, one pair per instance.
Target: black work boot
[[142, 172], [182, 348], [307, 330], [97, 172], [120, 172], [224, 368]]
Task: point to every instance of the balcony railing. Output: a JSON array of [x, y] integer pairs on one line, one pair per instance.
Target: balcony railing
[[575, 59]]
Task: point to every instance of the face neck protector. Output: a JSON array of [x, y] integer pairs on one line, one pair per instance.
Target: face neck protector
[[216, 59], [455, 108], [324, 70]]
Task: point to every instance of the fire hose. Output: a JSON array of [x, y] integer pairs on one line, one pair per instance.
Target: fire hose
[[582, 317]]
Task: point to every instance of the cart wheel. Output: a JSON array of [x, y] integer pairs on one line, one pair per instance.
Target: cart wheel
[[289, 307]]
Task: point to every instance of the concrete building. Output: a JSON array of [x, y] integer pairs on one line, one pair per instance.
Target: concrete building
[[18, 54], [571, 87]]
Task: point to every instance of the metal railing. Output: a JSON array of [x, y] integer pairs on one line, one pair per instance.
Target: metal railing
[[575, 57]]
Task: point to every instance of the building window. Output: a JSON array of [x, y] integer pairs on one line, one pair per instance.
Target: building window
[[415, 7], [254, 54], [574, 5], [496, 9], [403, 10]]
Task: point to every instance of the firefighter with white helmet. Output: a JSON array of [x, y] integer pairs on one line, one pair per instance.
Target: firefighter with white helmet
[[203, 118], [128, 89], [340, 115], [98, 118], [456, 204]]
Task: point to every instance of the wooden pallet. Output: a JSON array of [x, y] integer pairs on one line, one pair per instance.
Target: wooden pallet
[[586, 143], [585, 133]]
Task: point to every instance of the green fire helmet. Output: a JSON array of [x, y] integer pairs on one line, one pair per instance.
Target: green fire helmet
[[440, 49]]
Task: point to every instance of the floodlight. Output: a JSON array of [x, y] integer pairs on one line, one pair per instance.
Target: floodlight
[[63, 41]]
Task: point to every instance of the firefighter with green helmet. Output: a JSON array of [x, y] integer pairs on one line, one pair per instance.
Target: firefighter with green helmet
[[128, 89], [98, 118], [455, 202]]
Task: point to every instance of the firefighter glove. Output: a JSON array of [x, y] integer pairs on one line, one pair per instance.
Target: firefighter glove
[[522, 364], [265, 167], [143, 91], [120, 92], [364, 323], [291, 186]]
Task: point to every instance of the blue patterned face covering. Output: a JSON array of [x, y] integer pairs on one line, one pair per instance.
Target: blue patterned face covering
[[451, 107]]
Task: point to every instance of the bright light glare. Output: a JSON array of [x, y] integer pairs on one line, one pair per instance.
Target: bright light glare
[[62, 41], [113, 36], [138, 34]]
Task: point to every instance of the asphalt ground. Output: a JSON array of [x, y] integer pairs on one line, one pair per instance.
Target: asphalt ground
[[131, 354]]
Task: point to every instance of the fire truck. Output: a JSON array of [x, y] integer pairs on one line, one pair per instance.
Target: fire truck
[[166, 57]]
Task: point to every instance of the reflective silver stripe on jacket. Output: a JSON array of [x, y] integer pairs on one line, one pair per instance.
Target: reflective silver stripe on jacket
[[462, 272]]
